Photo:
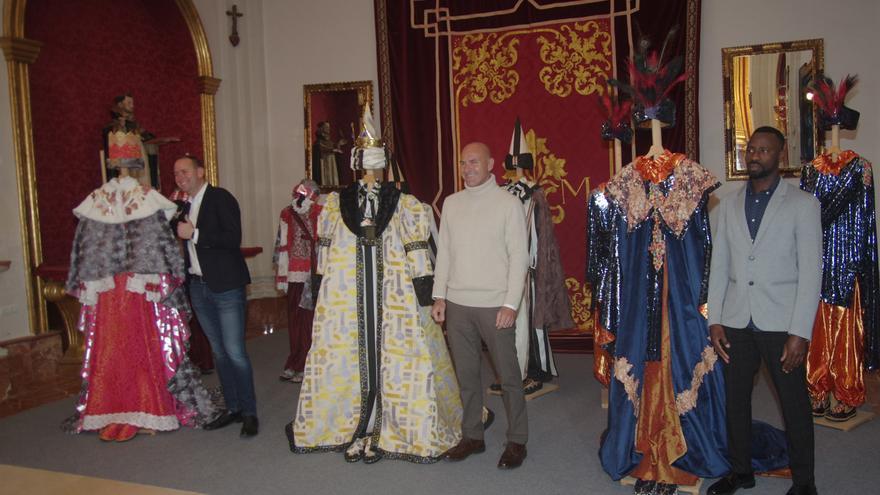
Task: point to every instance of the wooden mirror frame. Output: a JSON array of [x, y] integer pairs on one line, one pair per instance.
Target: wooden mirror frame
[[727, 56], [364, 92]]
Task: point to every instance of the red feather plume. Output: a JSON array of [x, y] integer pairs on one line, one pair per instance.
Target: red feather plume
[[828, 98]]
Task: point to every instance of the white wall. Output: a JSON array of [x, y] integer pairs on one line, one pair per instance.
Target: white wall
[[848, 28], [260, 125], [310, 42]]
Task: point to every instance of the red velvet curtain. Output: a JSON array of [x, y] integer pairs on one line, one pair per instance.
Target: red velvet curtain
[[92, 51], [454, 71]]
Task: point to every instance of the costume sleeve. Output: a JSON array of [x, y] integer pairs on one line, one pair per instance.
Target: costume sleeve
[[603, 263], [279, 254], [808, 235], [415, 231], [441, 270], [228, 235], [327, 221], [869, 280], [516, 242]]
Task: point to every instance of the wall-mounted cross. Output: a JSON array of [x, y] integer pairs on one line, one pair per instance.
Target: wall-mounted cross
[[235, 14]]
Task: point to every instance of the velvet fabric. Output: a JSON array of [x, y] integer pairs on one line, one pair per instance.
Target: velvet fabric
[[427, 114], [93, 51]]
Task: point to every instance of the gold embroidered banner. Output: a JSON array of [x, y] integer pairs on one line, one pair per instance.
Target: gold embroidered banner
[[549, 76]]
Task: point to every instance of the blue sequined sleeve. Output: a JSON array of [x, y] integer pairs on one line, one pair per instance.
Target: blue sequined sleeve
[[603, 262]]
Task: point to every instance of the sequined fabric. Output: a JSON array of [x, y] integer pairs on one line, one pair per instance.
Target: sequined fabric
[[649, 249], [845, 190]]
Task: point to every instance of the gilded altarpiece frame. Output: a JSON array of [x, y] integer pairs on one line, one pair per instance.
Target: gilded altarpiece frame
[[20, 52]]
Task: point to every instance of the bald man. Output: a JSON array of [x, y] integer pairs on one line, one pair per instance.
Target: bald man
[[478, 285]]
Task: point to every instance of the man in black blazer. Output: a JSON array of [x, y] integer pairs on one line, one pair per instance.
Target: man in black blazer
[[217, 279]]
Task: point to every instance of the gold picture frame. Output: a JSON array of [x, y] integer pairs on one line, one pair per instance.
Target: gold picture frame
[[340, 104], [766, 85]]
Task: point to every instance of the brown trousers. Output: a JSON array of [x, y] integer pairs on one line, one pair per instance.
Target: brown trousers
[[466, 326]]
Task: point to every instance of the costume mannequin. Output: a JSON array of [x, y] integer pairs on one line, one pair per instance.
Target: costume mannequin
[[126, 269], [845, 333], [378, 380], [649, 265], [294, 259], [545, 305]]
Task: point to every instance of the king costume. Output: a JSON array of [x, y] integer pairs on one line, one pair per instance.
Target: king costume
[[649, 253], [846, 337], [127, 270], [378, 380]]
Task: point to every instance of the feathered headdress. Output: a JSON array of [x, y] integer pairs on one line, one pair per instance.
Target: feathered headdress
[[830, 101], [651, 81], [617, 117]]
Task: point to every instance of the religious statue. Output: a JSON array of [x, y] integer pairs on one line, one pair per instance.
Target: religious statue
[[324, 151]]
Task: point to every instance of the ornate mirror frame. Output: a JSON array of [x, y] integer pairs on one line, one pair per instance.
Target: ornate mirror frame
[[734, 107], [339, 99]]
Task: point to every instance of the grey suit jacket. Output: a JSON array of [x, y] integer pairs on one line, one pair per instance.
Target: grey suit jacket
[[775, 280]]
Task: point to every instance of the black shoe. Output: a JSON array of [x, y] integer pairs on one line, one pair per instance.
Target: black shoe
[[226, 418], [802, 490], [250, 426], [731, 483]]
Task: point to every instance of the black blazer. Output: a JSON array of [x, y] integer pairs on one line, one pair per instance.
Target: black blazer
[[219, 246]]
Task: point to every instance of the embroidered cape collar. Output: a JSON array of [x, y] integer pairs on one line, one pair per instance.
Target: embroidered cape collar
[[638, 196], [122, 200], [351, 214], [825, 165]]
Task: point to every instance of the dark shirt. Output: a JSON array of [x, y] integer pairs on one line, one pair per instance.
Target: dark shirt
[[756, 205]]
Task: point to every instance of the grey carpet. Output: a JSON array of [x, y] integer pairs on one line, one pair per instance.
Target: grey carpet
[[564, 432]]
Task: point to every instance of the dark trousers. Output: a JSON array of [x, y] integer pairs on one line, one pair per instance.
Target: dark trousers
[[466, 326], [299, 328], [747, 349]]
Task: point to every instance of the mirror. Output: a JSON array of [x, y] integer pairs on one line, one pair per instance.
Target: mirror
[[766, 85], [333, 114]]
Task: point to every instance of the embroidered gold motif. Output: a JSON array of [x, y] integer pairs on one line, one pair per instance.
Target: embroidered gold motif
[[623, 374], [482, 64], [687, 399], [576, 59], [581, 297]]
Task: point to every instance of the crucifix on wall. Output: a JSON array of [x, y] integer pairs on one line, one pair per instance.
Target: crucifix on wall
[[235, 14]]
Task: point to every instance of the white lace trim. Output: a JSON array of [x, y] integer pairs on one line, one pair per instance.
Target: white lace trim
[[137, 283], [298, 277], [123, 200], [88, 293], [139, 419]]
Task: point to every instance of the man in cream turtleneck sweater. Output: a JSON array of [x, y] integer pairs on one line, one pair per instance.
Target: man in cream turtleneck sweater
[[482, 259]]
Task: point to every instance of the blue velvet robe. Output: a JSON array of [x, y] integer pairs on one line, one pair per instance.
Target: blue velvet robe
[[628, 290]]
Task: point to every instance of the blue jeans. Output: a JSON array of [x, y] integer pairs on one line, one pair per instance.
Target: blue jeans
[[222, 316]]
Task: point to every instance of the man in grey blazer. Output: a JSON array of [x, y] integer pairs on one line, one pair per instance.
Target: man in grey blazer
[[763, 294]]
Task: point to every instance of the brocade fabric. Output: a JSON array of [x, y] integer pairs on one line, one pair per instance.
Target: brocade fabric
[[415, 408]]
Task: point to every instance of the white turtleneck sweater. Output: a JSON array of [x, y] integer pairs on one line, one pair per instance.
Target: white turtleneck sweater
[[482, 256]]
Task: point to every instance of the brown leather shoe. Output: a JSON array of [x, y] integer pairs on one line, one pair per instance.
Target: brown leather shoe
[[465, 447], [513, 456]]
